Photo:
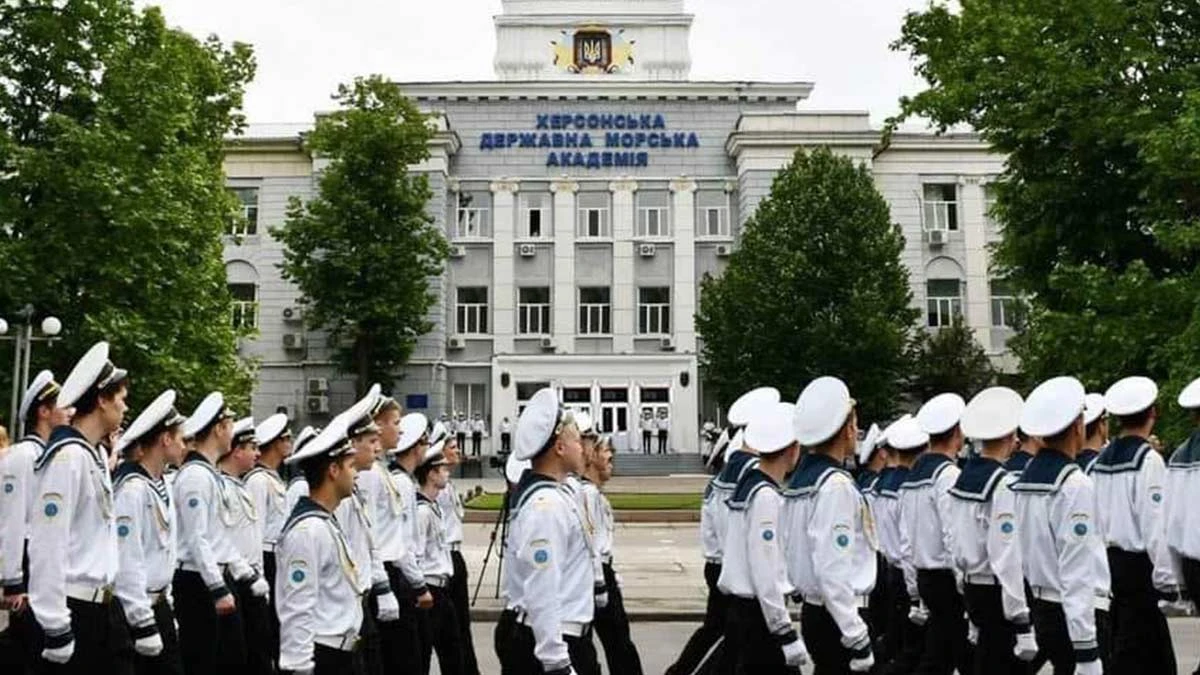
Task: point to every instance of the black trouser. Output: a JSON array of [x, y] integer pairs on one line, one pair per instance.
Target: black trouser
[[476, 439], [758, 652], [440, 632], [102, 642], [256, 627], [1054, 642], [460, 596], [824, 641], [612, 626], [208, 643], [646, 442], [272, 614], [461, 437], [710, 633], [369, 638], [1104, 638], [905, 640], [21, 644], [506, 442], [662, 442], [1141, 638], [946, 646], [1191, 578], [997, 635], [514, 645], [329, 661], [879, 611], [402, 638], [168, 661]]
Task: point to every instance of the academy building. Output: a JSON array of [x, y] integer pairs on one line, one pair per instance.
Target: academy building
[[586, 191]]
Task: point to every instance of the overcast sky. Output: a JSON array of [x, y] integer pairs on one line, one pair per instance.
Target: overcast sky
[[305, 48]]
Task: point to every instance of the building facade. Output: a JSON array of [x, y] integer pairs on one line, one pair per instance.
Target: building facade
[[586, 192]]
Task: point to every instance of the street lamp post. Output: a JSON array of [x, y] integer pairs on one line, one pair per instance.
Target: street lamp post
[[23, 339]]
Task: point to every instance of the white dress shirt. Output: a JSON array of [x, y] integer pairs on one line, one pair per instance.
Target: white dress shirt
[[1183, 499], [145, 541], [17, 491], [202, 537], [926, 535], [270, 499]]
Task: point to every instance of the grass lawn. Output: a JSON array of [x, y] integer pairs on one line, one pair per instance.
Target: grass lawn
[[621, 501]]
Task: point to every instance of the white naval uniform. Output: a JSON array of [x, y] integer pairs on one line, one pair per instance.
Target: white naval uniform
[[452, 515], [887, 513], [387, 508], [353, 515], [1060, 548], [925, 530], [17, 492], [203, 538], [433, 552], [146, 542], [269, 493], [1183, 501], [598, 511], [241, 516], [406, 488], [549, 581], [714, 512], [297, 488], [573, 485], [317, 588], [831, 544], [73, 537]]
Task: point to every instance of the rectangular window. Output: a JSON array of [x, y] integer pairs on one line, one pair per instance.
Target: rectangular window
[[944, 301], [713, 221], [593, 216], [595, 311], [533, 311], [989, 205], [471, 310], [247, 223], [941, 207], [652, 222], [473, 218], [656, 395], [525, 391], [245, 305], [536, 209], [1004, 304], [654, 311], [470, 399]]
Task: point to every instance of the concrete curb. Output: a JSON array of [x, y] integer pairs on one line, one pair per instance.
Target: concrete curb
[[622, 516]]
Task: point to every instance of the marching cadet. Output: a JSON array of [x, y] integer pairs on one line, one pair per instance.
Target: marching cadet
[[986, 548], [1183, 499], [714, 520], [924, 505], [146, 535], [41, 416], [268, 490], [1095, 423], [318, 591], [439, 623], [546, 626], [1030, 445], [452, 517], [210, 627], [573, 484], [1130, 478], [873, 457], [830, 534], [73, 556], [1060, 549], [611, 622], [906, 622], [400, 554], [244, 522], [760, 637], [296, 487]]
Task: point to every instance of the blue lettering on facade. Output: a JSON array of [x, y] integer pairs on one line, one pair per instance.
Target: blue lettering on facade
[[627, 146]]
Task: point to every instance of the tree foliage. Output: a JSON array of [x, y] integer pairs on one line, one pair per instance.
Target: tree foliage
[[1095, 105], [949, 359], [363, 250], [815, 288], [112, 196]]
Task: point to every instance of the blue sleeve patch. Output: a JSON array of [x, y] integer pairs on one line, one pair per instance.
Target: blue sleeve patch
[[193, 502], [768, 535], [1081, 529], [8, 488], [297, 576], [843, 541], [1007, 527], [1157, 497], [541, 557], [51, 510]]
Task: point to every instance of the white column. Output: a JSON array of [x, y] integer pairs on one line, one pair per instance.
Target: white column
[[978, 293], [565, 293], [623, 307], [683, 301], [504, 214]]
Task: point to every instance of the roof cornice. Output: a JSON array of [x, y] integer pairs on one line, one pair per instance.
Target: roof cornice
[[589, 89]]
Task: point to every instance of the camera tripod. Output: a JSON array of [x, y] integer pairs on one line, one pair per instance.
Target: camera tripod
[[501, 527]]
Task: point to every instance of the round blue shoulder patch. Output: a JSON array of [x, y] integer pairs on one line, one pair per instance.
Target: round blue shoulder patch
[[843, 540], [122, 530], [768, 535], [1080, 529], [540, 557], [8, 487], [297, 576], [1007, 527], [193, 502], [1157, 497], [51, 510]]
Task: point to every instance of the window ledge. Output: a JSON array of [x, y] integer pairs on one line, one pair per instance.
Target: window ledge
[[533, 240], [471, 240], [664, 239], [594, 335], [714, 239], [593, 240]]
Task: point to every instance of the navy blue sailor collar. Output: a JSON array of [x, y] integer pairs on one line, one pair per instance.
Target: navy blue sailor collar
[[813, 470], [978, 479], [889, 484], [1187, 455], [925, 469], [866, 480], [1018, 461], [1123, 454], [1046, 472], [64, 435], [734, 469], [752, 481]]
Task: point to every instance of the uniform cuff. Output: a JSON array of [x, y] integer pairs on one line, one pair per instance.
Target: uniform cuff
[[15, 587], [785, 638], [58, 640], [139, 632], [218, 592], [381, 588]]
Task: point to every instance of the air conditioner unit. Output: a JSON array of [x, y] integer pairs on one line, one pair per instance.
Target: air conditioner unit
[[724, 251], [936, 237], [458, 251], [289, 410], [547, 343], [527, 250], [293, 341], [317, 405], [317, 385], [647, 250], [293, 314], [456, 342], [667, 344]]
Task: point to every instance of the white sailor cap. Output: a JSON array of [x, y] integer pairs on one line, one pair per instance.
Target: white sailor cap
[[821, 410], [434, 455], [306, 434], [381, 402], [941, 413], [772, 429], [586, 425], [993, 413], [1053, 406], [1190, 396], [514, 468], [413, 426], [906, 435], [212, 409], [1130, 395], [160, 414], [884, 439], [331, 441], [738, 442], [438, 434], [1093, 408], [539, 423], [869, 443], [272, 429], [359, 419], [747, 405], [42, 389], [243, 432], [92, 372]]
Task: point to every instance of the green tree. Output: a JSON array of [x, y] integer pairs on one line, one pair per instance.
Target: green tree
[[363, 250], [112, 196], [949, 359], [1095, 105], [815, 288]]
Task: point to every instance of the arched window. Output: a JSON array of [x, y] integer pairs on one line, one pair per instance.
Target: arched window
[[242, 279], [943, 292]]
